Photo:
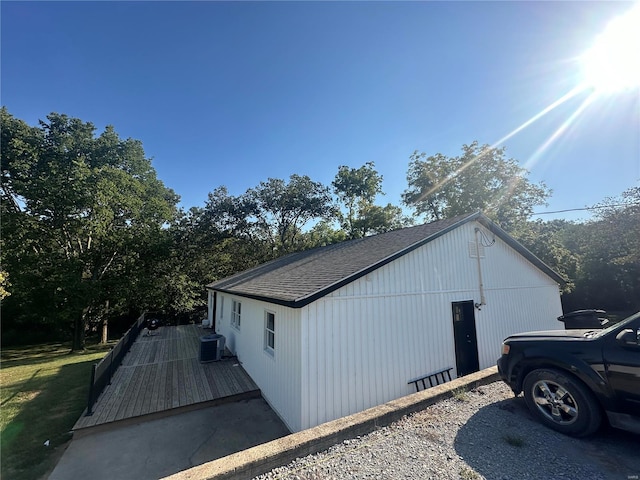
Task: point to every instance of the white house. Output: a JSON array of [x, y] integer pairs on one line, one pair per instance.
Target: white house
[[335, 330]]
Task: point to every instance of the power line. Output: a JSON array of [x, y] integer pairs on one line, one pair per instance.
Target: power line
[[588, 208]]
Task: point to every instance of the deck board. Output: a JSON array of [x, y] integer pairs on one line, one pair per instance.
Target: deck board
[[144, 400], [199, 383], [175, 390], [152, 404], [163, 371], [130, 395], [117, 388]]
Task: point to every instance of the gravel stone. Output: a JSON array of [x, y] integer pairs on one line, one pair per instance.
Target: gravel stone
[[485, 433]]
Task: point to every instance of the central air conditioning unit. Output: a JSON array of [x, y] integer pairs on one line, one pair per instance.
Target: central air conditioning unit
[[211, 348]]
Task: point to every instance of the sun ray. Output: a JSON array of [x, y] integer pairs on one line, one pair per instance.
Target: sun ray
[[569, 95], [612, 64], [533, 159]]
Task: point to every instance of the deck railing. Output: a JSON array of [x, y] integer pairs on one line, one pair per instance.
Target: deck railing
[[102, 372]]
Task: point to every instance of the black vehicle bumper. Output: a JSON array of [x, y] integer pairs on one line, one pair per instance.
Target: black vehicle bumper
[[501, 367], [503, 370]]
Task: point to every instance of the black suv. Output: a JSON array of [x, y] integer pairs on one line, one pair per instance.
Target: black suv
[[572, 378]]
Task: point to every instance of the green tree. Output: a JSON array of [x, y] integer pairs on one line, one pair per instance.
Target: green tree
[[198, 251], [278, 211], [551, 242], [225, 226], [82, 204], [4, 285], [609, 247], [323, 233], [357, 189], [482, 178], [233, 233], [375, 219]]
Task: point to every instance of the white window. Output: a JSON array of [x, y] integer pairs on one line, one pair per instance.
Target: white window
[[235, 314], [270, 331]]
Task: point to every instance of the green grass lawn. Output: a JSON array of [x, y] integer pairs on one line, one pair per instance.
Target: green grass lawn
[[43, 392]]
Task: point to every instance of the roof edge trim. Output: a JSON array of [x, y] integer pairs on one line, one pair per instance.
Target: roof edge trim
[[276, 301], [521, 249], [302, 301], [477, 216]]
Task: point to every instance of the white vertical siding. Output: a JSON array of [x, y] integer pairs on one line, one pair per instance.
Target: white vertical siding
[[513, 310], [277, 374], [366, 340]]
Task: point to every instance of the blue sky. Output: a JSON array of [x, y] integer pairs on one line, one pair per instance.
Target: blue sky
[[233, 93]]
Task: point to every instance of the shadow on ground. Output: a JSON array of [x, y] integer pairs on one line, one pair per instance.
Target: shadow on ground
[[162, 447], [44, 353], [503, 441], [59, 398]]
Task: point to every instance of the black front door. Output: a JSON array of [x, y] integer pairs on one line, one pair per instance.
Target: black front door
[[464, 332]]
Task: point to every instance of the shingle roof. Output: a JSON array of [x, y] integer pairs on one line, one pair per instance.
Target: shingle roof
[[299, 278]]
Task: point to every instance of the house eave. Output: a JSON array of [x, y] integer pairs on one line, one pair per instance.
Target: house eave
[[521, 249], [306, 300], [355, 276], [478, 216], [276, 301]]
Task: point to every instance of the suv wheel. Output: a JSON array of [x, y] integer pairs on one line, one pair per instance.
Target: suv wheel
[[561, 402]]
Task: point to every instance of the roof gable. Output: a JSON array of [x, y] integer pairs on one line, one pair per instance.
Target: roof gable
[[297, 279]]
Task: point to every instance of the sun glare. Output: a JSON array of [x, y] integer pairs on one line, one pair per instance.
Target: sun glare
[[611, 65], [613, 62]]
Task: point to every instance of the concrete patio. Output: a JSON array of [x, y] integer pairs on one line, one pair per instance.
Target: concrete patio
[[165, 446]]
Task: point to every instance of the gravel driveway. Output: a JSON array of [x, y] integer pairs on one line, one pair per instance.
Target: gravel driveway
[[485, 433]]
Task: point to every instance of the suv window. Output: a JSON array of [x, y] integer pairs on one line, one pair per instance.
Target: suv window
[[604, 331]]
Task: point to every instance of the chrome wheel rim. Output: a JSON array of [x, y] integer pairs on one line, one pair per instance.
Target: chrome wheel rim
[[555, 402]]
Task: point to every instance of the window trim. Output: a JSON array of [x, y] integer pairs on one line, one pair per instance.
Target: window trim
[[236, 314], [267, 331]]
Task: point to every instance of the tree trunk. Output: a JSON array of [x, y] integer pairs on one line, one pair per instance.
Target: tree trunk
[[79, 326], [105, 324]]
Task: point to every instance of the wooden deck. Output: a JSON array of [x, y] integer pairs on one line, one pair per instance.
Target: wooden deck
[[163, 372]]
